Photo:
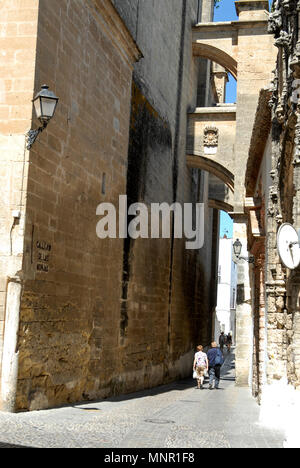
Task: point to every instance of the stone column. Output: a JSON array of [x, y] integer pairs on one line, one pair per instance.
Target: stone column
[[244, 318], [205, 15], [260, 324], [219, 81], [254, 73], [207, 11], [293, 317]]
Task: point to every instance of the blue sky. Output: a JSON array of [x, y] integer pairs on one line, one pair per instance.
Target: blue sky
[[226, 11], [226, 225]]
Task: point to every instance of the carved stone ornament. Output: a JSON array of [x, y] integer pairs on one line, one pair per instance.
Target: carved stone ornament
[[211, 136], [284, 40], [280, 114], [297, 143], [290, 6], [275, 22], [220, 92], [273, 194]]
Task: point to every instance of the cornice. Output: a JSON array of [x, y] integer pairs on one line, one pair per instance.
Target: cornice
[[108, 17], [260, 134]]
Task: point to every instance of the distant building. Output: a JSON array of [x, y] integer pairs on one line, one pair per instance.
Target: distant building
[[227, 285]]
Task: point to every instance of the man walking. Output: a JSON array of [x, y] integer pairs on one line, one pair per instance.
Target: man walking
[[229, 342], [215, 362], [222, 341]]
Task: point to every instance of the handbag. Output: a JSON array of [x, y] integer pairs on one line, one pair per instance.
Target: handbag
[[195, 375]]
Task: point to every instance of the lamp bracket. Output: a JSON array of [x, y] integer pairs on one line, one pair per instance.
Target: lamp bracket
[[250, 259], [32, 135]]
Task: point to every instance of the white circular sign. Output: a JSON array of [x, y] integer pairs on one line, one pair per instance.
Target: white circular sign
[[288, 246]]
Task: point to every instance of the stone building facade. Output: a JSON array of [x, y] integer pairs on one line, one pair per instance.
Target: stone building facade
[[247, 51], [82, 317], [272, 185], [142, 113]]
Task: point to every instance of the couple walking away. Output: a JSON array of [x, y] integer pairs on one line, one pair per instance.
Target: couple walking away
[[225, 340], [211, 363]]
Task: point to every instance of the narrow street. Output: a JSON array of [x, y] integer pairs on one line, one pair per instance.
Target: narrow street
[[172, 416]]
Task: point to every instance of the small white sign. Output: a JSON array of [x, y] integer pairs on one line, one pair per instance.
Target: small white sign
[[210, 150]]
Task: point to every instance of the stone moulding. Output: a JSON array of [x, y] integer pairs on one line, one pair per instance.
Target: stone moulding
[[108, 17], [260, 134]]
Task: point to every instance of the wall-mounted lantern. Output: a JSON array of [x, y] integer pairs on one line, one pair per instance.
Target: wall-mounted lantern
[[45, 104], [237, 249]]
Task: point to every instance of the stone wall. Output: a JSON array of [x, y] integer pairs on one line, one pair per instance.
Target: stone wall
[[277, 339], [70, 307], [102, 317], [211, 134], [18, 35], [162, 319]]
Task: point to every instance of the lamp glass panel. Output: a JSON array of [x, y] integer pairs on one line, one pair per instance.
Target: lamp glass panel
[[48, 107], [237, 247], [38, 109]]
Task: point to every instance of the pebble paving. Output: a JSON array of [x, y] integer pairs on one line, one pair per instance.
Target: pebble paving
[[172, 416]]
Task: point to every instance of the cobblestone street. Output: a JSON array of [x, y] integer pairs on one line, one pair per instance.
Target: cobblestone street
[[172, 416]]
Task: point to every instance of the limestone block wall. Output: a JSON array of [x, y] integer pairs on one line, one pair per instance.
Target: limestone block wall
[[70, 309], [18, 36], [220, 125], [166, 301], [254, 73], [244, 313], [88, 318]]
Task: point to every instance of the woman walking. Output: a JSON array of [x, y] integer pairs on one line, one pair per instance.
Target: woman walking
[[200, 365], [229, 342]]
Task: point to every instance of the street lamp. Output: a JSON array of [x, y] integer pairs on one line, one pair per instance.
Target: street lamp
[[45, 104], [237, 248]]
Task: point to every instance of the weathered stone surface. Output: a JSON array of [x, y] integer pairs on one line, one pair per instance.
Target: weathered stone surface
[[101, 317]]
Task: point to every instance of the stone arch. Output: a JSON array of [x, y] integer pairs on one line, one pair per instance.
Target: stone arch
[[217, 55], [205, 164], [220, 205]]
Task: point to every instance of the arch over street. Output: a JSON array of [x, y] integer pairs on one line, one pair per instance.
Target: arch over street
[[220, 205], [217, 55], [213, 167], [218, 42]]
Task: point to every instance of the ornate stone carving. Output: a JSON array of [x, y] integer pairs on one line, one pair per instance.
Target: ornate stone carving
[[211, 136], [220, 93], [284, 40], [297, 142], [275, 22], [280, 114], [283, 193], [289, 6]]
